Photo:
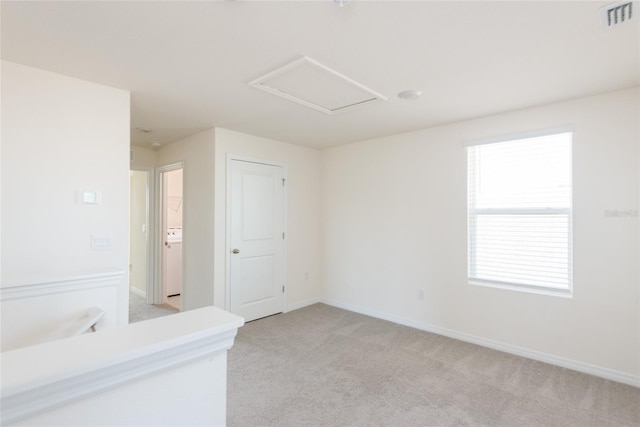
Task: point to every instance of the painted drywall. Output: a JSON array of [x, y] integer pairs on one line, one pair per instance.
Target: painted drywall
[[394, 222], [303, 211], [144, 157], [61, 135], [139, 231], [197, 153]]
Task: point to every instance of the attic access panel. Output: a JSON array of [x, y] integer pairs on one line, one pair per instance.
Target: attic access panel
[[316, 86]]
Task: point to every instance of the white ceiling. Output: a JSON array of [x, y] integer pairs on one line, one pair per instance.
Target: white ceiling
[[188, 64]]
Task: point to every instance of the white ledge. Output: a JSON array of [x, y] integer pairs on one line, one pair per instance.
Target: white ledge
[[49, 375]]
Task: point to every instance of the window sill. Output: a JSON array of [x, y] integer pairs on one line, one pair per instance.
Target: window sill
[[562, 293]]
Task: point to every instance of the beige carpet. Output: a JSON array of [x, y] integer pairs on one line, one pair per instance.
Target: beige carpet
[[322, 366], [139, 310]]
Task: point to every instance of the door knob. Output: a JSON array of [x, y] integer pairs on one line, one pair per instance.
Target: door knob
[[236, 251]]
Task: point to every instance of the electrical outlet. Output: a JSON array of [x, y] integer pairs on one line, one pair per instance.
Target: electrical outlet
[[421, 294]]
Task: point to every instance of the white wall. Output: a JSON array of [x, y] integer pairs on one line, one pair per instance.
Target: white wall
[[61, 135], [303, 211], [144, 157], [197, 153], [394, 221]]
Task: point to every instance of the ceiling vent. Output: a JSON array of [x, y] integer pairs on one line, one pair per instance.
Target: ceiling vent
[[316, 86], [616, 13]]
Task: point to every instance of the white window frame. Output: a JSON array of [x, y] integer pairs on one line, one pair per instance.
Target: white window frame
[[473, 212]]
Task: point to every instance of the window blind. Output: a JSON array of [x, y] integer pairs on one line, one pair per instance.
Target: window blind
[[519, 212]]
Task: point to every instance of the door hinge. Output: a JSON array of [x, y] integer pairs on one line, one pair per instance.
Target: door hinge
[[283, 235], [283, 289], [283, 180]]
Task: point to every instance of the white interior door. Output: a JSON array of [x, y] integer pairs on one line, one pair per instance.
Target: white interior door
[[173, 268], [162, 225], [257, 225]]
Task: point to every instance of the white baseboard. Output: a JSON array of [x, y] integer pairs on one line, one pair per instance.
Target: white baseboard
[[302, 304], [138, 292], [610, 374]]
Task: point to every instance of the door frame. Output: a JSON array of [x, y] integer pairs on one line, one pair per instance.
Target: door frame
[[230, 159], [160, 230], [151, 226]]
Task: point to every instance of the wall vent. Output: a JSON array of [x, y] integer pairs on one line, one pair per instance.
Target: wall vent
[[617, 13]]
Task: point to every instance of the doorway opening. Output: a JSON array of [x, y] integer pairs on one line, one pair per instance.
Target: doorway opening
[[168, 289], [172, 196], [141, 248], [144, 304]]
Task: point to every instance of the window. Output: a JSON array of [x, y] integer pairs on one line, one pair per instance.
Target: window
[[519, 213]]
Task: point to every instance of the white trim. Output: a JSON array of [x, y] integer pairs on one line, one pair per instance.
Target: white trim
[[171, 167], [227, 244], [227, 261], [262, 84], [530, 289], [302, 304], [41, 287], [157, 296], [520, 135], [511, 273], [519, 211], [178, 340], [138, 292], [151, 227], [610, 374], [258, 160]]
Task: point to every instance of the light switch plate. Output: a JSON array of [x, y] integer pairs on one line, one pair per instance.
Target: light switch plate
[[90, 197]]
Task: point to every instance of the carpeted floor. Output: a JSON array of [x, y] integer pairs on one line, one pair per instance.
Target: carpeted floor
[[323, 366], [139, 310]]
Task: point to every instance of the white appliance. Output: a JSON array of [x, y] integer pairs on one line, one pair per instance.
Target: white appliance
[[173, 264]]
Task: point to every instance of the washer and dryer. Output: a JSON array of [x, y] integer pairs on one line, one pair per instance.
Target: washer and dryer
[[173, 264]]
